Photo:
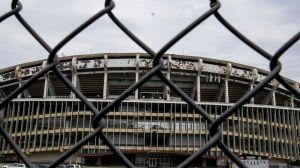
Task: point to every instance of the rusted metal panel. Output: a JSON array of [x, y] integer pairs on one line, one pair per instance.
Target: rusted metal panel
[[183, 64], [63, 66], [146, 63], [89, 64], [240, 73], [23, 73], [219, 69], [128, 62]]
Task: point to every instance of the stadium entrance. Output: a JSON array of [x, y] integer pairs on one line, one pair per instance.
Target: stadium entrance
[[152, 160]]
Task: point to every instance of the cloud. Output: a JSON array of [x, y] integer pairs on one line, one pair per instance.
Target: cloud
[[268, 23]]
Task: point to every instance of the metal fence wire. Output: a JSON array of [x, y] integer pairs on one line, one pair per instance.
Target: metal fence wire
[[215, 132]]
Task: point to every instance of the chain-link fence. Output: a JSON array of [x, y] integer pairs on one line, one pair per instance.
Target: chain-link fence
[[215, 131]]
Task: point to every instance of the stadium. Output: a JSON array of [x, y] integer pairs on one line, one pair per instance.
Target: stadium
[[153, 126]]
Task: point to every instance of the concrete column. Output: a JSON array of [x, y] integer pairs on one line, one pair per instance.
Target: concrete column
[[46, 86], [252, 83], [105, 78], [137, 64], [296, 86], [167, 89], [18, 76], [75, 81], [18, 72], [292, 104], [275, 86], [200, 67], [227, 75]]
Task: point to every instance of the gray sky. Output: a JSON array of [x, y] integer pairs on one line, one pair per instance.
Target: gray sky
[[269, 23]]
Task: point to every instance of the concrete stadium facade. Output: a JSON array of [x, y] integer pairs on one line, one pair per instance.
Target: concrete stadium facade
[[153, 126]]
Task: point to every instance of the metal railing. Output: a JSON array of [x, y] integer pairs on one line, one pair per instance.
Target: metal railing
[[215, 131]]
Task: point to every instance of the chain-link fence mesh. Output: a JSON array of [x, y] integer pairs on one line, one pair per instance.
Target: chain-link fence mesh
[[215, 131]]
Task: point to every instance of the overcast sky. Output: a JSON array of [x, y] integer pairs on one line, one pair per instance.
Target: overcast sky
[[268, 23]]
